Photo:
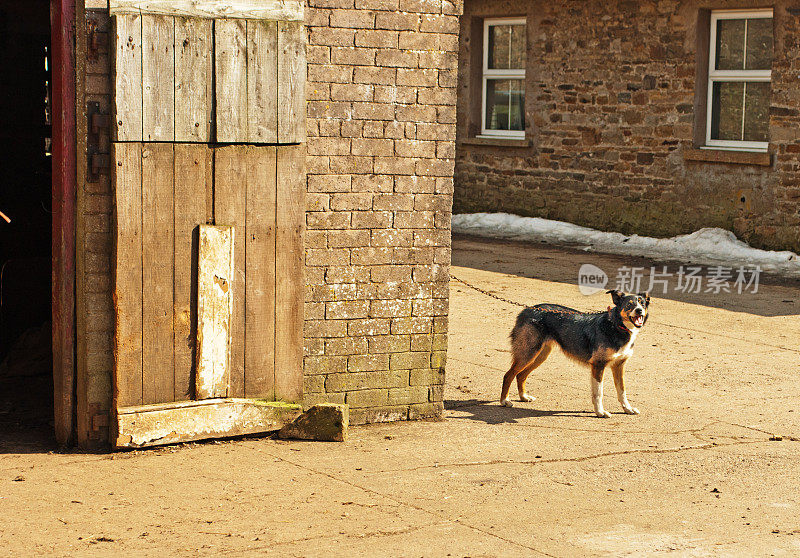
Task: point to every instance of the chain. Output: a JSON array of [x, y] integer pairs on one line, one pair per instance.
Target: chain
[[507, 301]]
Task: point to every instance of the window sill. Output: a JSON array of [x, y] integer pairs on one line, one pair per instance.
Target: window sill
[[497, 142], [757, 158]]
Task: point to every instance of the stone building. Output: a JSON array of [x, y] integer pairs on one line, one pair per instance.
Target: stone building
[[251, 213], [609, 115]]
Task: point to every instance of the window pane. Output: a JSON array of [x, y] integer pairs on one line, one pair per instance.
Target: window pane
[[726, 111], [759, 44], [518, 46], [505, 104], [506, 47], [756, 111], [499, 47], [730, 44]]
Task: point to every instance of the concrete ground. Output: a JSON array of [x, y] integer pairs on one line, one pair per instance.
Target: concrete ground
[[709, 468]]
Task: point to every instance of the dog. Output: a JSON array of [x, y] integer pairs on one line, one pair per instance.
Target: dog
[[598, 340]]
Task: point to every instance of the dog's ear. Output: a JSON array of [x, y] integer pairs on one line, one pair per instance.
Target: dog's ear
[[646, 297], [616, 296]]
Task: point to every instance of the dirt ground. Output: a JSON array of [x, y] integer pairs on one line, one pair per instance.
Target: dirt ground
[[709, 468]]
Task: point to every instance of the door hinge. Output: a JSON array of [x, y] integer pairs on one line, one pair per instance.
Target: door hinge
[[98, 159]]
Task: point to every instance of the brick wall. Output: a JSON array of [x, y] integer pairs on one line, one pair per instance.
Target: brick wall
[[95, 315], [381, 131], [610, 104]]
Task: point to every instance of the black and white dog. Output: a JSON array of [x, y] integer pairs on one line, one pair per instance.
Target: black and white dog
[[598, 340]]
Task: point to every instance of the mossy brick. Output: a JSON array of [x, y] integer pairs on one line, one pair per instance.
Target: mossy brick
[[346, 346], [393, 202], [411, 325], [391, 273], [313, 384], [352, 201], [395, 165], [426, 411], [439, 342], [384, 5], [372, 220], [313, 346], [311, 399], [352, 19], [325, 328], [347, 238], [373, 183], [408, 395], [370, 326], [368, 363], [377, 379], [371, 256], [389, 344], [409, 360], [436, 394], [347, 310], [426, 377], [378, 414], [438, 359], [347, 274], [391, 237], [397, 21], [389, 308], [421, 342], [328, 220], [367, 398], [379, 38], [324, 364]]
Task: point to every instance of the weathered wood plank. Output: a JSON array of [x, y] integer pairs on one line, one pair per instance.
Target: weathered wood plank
[[277, 10], [152, 425], [158, 78], [157, 272], [127, 78], [193, 79], [289, 265], [230, 192], [193, 179], [262, 81], [214, 308], [230, 37], [259, 341], [291, 82], [126, 181]]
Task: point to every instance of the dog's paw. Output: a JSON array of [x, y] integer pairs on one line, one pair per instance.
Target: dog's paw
[[506, 403], [631, 411], [603, 414], [527, 398]]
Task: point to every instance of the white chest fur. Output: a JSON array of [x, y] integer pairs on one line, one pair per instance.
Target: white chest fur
[[627, 349]]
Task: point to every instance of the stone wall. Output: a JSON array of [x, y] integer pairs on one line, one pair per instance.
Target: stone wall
[[381, 131], [612, 104]]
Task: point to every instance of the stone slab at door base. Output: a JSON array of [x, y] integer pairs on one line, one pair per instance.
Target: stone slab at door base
[[170, 423], [324, 422]]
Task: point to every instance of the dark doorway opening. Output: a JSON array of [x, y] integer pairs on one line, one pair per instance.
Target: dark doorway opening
[[26, 369]]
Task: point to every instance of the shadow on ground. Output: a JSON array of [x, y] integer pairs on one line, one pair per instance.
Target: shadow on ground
[[490, 412], [561, 265]]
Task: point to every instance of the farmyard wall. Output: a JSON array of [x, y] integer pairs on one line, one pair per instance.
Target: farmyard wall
[[611, 112]]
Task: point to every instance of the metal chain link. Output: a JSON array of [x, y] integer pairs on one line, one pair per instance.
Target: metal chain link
[[507, 301]]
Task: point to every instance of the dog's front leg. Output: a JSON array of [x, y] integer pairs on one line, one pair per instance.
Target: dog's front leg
[[618, 369], [597, 390]]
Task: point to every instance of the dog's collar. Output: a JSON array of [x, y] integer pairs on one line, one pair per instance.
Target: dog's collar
[[623, 328]]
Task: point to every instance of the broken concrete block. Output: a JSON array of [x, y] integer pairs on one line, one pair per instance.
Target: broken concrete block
[[324, 422]]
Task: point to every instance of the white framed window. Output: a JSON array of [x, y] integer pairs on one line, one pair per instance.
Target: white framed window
[[503, 106], [739, 75]]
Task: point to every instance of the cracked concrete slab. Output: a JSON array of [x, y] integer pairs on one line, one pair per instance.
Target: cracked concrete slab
[[708, 469]]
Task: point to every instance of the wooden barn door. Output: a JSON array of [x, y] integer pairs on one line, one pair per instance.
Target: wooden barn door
[[209, 181]]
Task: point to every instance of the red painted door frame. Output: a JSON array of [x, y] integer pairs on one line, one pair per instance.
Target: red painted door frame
[[62, 29]]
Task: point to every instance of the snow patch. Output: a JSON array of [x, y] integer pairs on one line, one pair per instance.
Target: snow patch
[[709, 246]]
